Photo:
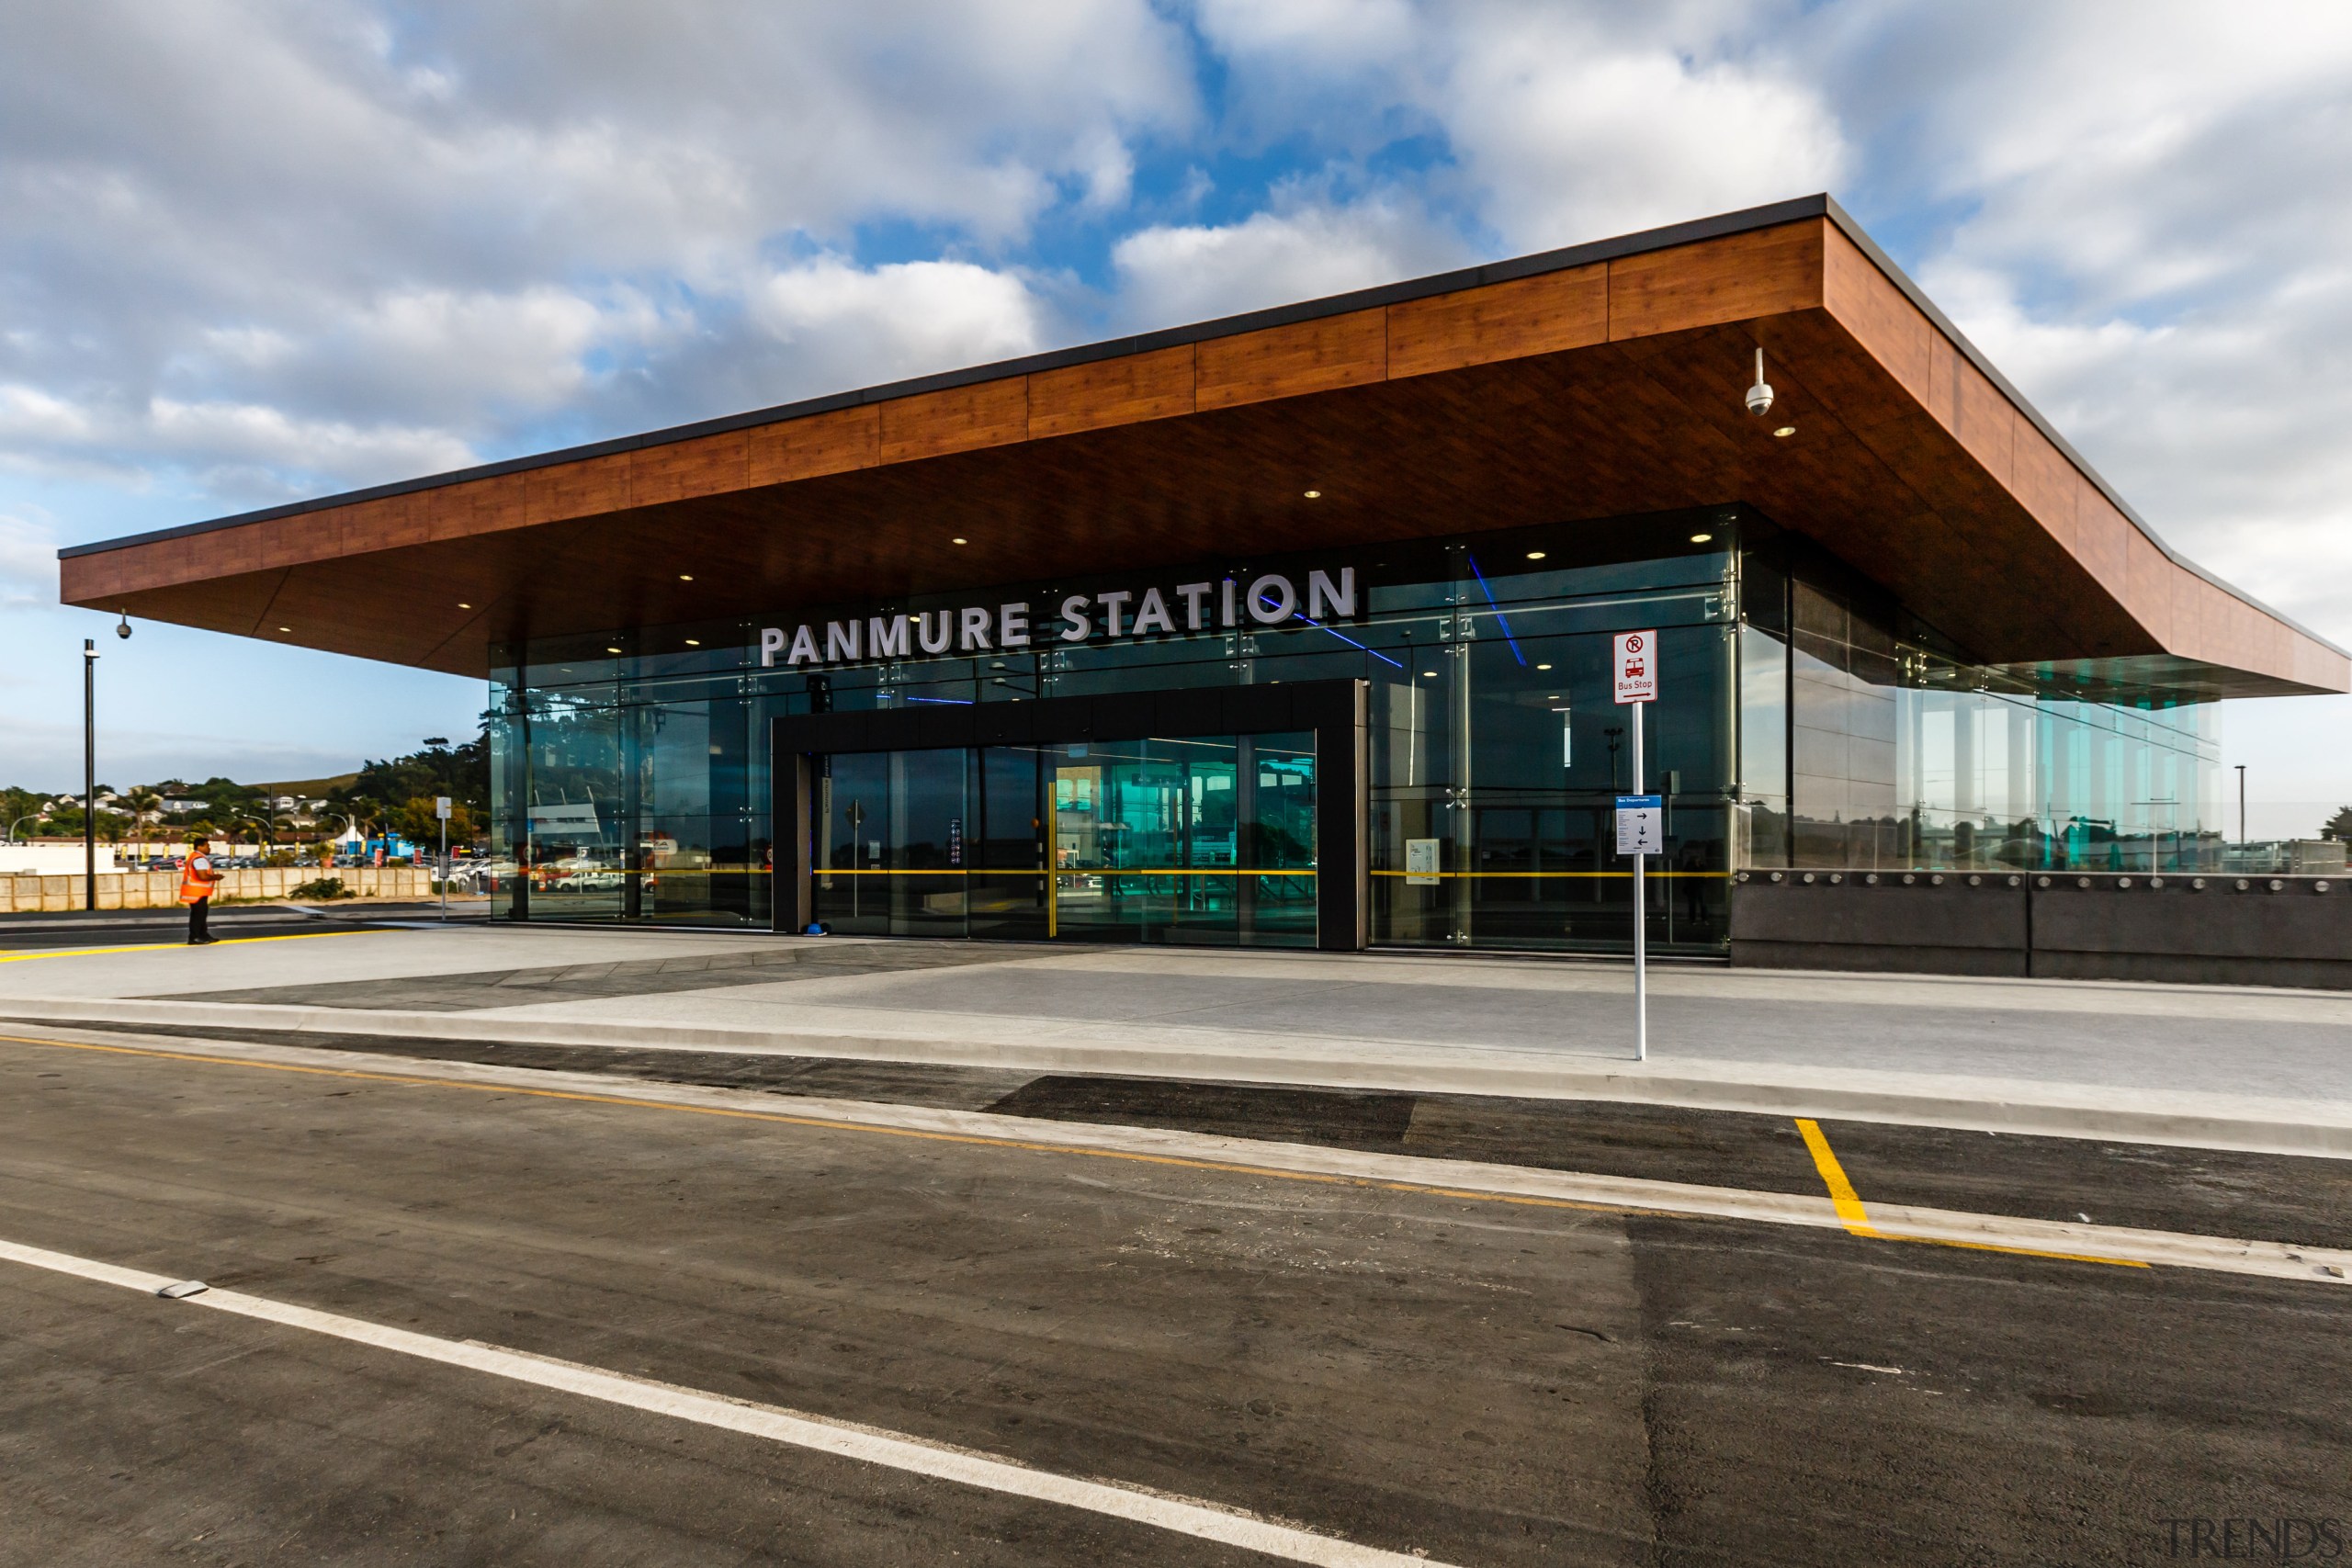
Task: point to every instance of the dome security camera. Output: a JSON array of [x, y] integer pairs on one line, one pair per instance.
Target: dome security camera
[[123, 629], [1760, 395]]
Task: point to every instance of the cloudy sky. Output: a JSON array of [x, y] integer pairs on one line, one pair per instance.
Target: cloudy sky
[[256, 250]]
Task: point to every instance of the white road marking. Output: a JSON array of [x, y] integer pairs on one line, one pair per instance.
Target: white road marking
[[844, 1439]]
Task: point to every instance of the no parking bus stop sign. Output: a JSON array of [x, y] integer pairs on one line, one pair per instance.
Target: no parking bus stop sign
[[1637, 667]]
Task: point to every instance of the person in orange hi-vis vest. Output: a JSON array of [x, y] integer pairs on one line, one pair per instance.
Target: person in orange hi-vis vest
[[196, 881]]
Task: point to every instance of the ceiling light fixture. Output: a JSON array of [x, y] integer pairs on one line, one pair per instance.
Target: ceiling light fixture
[[611, 650], [1428, 674], [1535, 555], [1313, 495], [286, 628], [1543, 667], [686, 577], [1785, 432], [693, 642], [463, 606], [959, 541], [1701, 539]]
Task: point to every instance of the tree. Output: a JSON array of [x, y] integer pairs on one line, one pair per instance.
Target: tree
[[16, 803], [416, 822], [142, 801], [461, 772], [2339, 826]]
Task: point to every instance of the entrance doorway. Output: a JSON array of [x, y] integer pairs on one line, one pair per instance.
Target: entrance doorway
[[915, 823]]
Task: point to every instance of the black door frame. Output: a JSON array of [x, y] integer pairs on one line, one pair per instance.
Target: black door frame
[[1334, 710]]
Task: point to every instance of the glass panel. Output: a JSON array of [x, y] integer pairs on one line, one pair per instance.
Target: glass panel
[[1278, 902], [891, 858], [1495, 768], [577, 818], [1148, 840], [1008, 883]]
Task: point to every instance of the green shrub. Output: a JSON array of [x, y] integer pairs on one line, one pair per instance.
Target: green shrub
[[322, 888]]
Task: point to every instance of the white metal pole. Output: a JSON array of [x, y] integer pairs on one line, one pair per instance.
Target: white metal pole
[[445, 868], [1640, 944]]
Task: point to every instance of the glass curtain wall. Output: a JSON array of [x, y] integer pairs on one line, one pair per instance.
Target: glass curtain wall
[[623, 791], [1866, 745], [1496, 746]]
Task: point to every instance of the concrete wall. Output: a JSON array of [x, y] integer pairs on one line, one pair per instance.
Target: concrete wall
[[2282, 931], [160, 889]]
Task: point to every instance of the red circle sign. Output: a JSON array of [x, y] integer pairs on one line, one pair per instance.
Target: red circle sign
[[1634, 643]]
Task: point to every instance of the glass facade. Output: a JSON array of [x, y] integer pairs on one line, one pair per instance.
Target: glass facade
[[1866, 744], [1802, 721]]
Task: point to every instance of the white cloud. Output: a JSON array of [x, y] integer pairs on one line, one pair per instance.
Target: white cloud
[[904, 319], [27, 563], [1173, 274], [1573, 134], [258, 434], [29, 415]]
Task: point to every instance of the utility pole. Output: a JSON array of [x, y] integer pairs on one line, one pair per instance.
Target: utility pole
[[89, 775]]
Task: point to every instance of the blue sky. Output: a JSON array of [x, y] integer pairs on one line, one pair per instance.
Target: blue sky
[[265, 249]]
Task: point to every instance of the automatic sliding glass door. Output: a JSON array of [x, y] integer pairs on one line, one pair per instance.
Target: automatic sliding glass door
[[1205, 841]]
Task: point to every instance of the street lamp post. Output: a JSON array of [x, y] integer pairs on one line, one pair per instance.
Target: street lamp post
[[89, 774]]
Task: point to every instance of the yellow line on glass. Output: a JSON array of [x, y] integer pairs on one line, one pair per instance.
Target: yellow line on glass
[[1015, 873], [1474, 875]]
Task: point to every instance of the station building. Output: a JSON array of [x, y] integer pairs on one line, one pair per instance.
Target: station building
[[1293, 628]]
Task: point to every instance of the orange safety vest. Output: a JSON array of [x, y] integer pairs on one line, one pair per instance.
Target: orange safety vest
[[197, 884]]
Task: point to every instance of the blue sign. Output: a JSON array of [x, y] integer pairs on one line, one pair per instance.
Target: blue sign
[[1639, 802]]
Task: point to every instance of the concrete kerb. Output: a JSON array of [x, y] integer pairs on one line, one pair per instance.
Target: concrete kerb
[[2012, 1106]]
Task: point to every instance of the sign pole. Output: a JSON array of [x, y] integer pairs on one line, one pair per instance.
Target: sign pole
[[1641, 926], [441, 810], [1641, 825]]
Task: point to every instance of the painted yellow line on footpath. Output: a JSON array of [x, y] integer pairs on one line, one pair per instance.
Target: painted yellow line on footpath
[[1856, 1218], [26, 956]]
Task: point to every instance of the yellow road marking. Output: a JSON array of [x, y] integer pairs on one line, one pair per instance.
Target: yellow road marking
[[1857, 1219], [1842, 1192], [22, 957], [1833, 1176]]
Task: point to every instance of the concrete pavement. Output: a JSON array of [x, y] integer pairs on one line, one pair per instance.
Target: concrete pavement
[[2237, 1067]]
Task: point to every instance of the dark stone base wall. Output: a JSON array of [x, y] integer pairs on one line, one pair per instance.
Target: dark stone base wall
[[2286, 931]]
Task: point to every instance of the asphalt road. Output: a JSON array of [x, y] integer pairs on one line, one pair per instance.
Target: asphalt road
[[1409, 1371]]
